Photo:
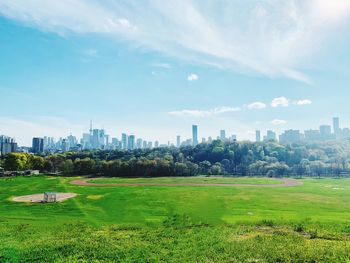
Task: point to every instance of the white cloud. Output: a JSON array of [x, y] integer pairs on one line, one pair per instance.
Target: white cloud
[[278, 122], [256, 105], [303, 102], [204, 113], [280, 102], [192, 77], [272, 38]]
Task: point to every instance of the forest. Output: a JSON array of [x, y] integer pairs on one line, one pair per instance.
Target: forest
[[217, 158]]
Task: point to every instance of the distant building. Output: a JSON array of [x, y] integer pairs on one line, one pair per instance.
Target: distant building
[[178, 141], [131, 142], [96, 138], [139, 143], [156, 144], [325, 132], [124, 141], [7, 145], [65, 145], [257, 136], [270, 136], [222, 135], [290, 136], [38, 145], [312, 135], [194, 135]]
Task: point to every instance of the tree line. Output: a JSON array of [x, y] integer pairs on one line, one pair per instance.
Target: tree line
[[217, 158]]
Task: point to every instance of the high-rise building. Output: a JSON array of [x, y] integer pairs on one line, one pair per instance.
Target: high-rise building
[[139, 143], [222, 135], [178, 141], [270, 136], [336, 126], [65, 145], [312, 135], [325, 132], [290, 136], [194, 135], [124, 141], [257, 136], [131, 142], [38, 145], [156, 144], [144, 144], [7, 145], [96, 138]]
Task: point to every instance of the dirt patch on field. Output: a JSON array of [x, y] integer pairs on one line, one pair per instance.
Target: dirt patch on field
[[38, 198], [86, 182]]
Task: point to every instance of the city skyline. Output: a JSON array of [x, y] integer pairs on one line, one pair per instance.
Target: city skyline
[[97, 138], [113, 63]]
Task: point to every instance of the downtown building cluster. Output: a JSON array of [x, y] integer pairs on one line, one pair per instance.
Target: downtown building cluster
[[323, 134], [99, 139]]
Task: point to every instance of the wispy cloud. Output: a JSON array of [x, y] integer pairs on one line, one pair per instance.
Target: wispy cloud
[[271, 38], [280, 102], [162, 65], [303, 102], [256, 105], [192, 77], [204, 113], [278, 122]]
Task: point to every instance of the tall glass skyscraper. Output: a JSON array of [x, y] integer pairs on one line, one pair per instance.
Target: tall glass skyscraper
[[194, 134]]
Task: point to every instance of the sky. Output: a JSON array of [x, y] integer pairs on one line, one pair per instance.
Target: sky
[[153, 68]]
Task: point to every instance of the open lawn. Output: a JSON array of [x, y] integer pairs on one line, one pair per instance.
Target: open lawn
[[309, 222]]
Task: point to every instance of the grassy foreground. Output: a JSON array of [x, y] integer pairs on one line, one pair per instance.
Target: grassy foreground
[[307, 223]]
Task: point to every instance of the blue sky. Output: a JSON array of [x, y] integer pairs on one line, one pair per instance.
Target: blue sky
[[153, 68]]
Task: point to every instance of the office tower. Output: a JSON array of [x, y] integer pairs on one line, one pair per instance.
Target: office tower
[[139, 143], [65, 145], [124, 141], [325, 132], [102, 139], [38, 145], [336, 128], [156, 144], [72, 141], [233, 138], [290, 136], [178, 141], [203, 140], [222, 135], [85, 141], [312, 135], [144, 144], [150, 145], [131, 142], [257, 136], [270, 136], [194, 135], [7, 145], [95, 138], [210, 139]]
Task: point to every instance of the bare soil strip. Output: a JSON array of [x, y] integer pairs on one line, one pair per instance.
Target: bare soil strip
[[86, 182], [38, 198]]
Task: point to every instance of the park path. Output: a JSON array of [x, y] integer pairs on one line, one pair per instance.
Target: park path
[[287, 182]]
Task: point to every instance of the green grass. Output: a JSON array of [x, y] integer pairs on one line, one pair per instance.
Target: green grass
[[189, 180], [310, 222]]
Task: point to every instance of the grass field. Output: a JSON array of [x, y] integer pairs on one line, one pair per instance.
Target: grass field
[[306, 223]]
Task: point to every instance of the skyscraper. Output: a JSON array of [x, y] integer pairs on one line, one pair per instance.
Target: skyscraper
[[124, 141], [131, 142], [257, 136], [178, 141], [96, 138], [222, 135], [38, 145], [194, 135], [325, 132]]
